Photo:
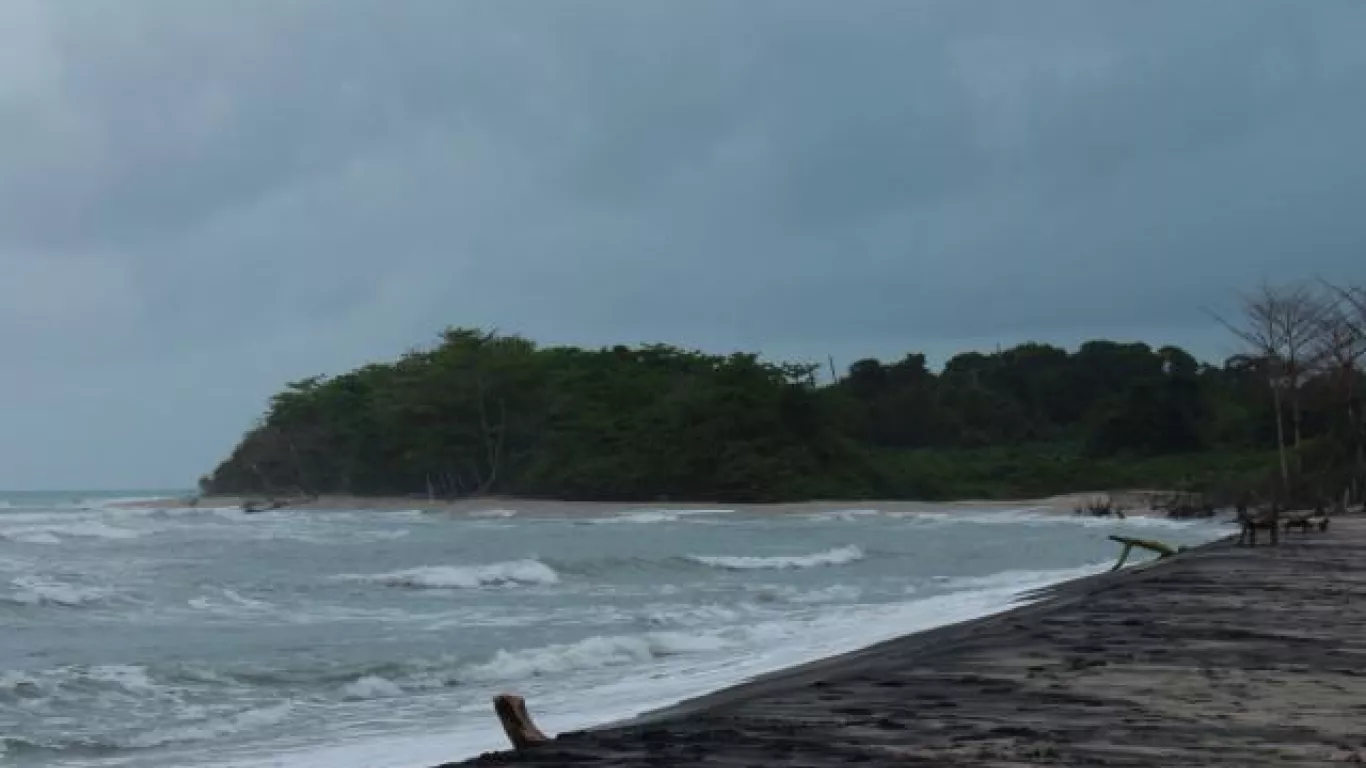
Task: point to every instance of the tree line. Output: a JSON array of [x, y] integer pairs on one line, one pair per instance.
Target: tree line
[[482, 413]]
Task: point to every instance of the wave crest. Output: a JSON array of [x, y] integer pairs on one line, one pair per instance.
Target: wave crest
[[505, 574], [837, 556], [31, 590]]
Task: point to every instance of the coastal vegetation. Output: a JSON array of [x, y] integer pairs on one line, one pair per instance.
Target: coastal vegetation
[[485, 413]]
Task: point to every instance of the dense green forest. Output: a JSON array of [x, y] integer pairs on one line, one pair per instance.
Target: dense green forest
[[482, 413]]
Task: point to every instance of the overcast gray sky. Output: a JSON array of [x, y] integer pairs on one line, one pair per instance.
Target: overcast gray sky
[[202, 200]]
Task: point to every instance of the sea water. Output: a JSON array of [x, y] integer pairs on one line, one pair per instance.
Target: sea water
[[373, 639]]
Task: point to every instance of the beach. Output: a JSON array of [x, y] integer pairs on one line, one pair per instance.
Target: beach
[[1221, 656]]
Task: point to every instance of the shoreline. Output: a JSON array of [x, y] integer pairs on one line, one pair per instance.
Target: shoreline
[[1220, 656], [1133, 500]]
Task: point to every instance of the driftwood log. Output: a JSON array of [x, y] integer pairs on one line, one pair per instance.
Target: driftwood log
[[1130, 542], [517, 723]]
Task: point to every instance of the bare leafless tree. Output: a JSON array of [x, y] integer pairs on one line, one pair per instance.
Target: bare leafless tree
[[1281, 326], [1353, 307], [1299, 324], [1344, 338]]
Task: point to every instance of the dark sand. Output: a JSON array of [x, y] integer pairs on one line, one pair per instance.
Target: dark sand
[[1221, 656]]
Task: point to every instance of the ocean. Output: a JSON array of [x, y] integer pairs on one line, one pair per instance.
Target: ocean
[[375, 639]]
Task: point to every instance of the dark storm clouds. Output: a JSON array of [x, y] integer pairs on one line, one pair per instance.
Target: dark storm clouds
[[199, 201]]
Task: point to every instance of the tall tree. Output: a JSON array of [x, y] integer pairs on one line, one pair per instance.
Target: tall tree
[[1261, 327]]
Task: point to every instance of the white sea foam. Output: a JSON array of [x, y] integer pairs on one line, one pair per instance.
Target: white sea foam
[[658, 516], [835, 593], [510, 573], [122, 681], [51, 533], [836, 556], [550, 661], [590, 653], [493, 513], [372, 687], [844, 515], [694, 615], [32, 590], [29, 537], [212, 727], [230, 603]]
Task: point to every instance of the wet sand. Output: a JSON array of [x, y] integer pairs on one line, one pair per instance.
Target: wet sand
[[1221, 656]]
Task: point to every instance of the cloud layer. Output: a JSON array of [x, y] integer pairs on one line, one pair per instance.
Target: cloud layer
[[199, 201]]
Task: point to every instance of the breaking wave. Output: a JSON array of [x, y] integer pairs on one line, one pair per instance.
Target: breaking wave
[[32, 590], [657, 516], [836, 556], [843, 515], [592, 653], [207, 728], [29, 536], [505, 574], [53, 533]]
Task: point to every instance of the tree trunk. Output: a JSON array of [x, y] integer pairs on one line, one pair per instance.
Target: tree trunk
[[1295, 416], [493, 442], [299, 473], [1280, 437]]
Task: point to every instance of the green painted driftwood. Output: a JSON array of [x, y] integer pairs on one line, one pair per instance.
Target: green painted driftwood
[[1130, 542]]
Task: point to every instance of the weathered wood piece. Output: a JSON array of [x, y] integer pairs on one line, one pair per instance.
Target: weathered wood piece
[[1130, 542], [517, 722]]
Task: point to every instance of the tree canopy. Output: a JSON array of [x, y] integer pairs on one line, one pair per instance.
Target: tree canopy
[[482, 413]]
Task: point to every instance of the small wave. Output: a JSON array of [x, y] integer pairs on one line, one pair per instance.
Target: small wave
[[29, 537], [658, 516], [590, 653], [212, 727], [50, 534], [371, 687], [836, 556], [617, 564], [231, 603], [493, 513], [30, 590], [125, 707], [128, 682], [511, 573], [692, 615], [844, 515]]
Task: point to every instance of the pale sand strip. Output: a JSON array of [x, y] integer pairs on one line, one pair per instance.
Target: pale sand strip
[[1132, 500]]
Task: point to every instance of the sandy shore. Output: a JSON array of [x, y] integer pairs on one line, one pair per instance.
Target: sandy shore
[[1135, 501], [1222, 656]]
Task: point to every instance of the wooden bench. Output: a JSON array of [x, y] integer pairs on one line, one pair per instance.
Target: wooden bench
[[1251, 522], [1306, 520]]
